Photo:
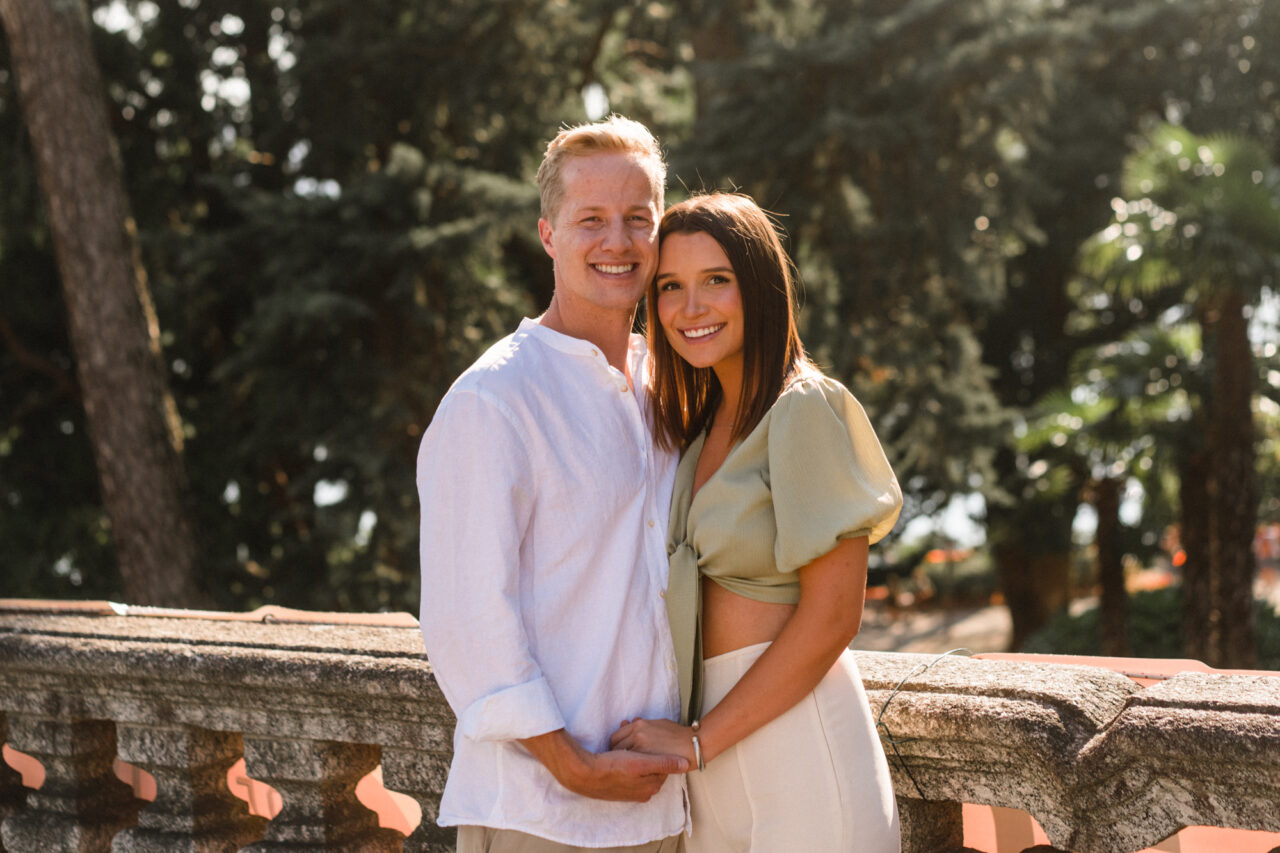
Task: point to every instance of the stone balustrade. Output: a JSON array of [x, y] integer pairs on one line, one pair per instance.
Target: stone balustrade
[[314, 702]]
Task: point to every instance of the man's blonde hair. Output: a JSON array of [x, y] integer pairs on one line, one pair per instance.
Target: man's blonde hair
[[613, 135]]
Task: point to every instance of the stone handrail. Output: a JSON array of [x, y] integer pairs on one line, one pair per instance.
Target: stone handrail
[[314, 702]]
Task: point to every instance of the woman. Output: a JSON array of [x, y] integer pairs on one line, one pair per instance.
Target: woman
[[781, 487]]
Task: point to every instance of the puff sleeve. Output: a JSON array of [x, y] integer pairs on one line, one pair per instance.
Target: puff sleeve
[[828, 474]]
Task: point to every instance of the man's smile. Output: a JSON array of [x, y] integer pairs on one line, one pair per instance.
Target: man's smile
[[614, 269]]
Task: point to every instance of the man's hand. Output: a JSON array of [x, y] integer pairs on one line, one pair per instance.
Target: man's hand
[[614, 775], [623, 775]]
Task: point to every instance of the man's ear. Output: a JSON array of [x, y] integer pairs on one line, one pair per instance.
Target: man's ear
[[544, 232]]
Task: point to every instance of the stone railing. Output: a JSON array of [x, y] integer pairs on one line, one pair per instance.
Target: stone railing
[[314, 702]]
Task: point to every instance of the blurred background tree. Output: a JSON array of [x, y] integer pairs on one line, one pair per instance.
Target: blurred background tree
[[335, 206], [1201, 219]]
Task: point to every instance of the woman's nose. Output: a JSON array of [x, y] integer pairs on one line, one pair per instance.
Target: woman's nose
[[693, 302]]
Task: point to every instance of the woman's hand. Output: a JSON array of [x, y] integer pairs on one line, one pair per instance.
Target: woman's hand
[[656, 737]]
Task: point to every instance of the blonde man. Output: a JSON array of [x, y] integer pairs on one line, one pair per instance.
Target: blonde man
[[544, 507]]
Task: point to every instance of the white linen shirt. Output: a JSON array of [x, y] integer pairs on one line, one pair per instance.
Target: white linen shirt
[[544, 570]]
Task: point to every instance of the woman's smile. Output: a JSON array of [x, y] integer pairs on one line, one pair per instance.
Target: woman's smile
[[701, 331]]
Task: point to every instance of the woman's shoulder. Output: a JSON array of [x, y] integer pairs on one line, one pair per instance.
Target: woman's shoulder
[[809, 388], [815, 410]]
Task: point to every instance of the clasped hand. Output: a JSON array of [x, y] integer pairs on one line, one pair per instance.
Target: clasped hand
[[626, 775], [656, 737], [615, 775]]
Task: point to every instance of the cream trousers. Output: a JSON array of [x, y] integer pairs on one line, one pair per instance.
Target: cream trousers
[[815, 779]]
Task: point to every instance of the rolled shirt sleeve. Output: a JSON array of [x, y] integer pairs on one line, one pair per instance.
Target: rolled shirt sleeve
[[476, 492]]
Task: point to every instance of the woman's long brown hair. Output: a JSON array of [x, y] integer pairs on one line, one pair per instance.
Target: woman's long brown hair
[[685, 397]]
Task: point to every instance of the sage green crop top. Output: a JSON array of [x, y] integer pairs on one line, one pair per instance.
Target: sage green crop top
[[811, 473]]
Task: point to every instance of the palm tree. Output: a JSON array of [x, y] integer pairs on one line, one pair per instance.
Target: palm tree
[[1110, 423], [1085, 427], [1202, 215]]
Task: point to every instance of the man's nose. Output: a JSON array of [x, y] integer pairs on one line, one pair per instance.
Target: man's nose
[[615, 235]]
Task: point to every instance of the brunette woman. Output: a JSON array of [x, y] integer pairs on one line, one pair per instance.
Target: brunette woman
[[781, 487]]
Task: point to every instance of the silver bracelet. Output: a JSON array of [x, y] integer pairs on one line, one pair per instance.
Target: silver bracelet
[[696, 725]]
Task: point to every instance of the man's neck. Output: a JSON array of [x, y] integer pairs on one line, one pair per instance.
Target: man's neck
[[609, 331]]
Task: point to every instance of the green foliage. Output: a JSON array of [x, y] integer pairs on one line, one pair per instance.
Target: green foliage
[[308, 378], [1199, 212], [1154, 628], [336, 210]]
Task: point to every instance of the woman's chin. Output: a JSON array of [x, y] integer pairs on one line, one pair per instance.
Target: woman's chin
[[698, 363]]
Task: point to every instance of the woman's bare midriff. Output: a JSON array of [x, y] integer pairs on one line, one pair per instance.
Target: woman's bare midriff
[[731, 621]]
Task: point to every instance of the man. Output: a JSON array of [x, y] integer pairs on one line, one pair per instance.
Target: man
[[544, 507]]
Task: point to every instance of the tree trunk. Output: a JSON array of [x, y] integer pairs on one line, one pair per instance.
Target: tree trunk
[[1106, 502], [1195, 514], [1235, 495], [1034, 585], [1030, 543], [131, 420]]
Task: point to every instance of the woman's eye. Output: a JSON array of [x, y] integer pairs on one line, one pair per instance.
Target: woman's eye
[[668, 285], [718, 279]]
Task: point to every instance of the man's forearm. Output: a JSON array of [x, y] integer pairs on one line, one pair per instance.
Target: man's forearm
[[562, 755]]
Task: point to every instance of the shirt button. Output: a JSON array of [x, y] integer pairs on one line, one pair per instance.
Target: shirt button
[[662, 593], [595, 352], [622, 386], [651, 522]]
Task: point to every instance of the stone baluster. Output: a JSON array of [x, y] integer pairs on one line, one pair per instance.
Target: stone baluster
[[928, 827], [317, 782], [12, 794], [194, 810], [81, 804], [421, 775]]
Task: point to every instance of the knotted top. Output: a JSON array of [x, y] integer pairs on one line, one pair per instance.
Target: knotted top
[[811, 473]]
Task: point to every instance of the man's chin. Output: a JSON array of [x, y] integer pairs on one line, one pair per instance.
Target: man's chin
[[622, 297]]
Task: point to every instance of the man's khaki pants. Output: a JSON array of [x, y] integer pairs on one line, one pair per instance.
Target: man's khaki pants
[[482, 839]]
